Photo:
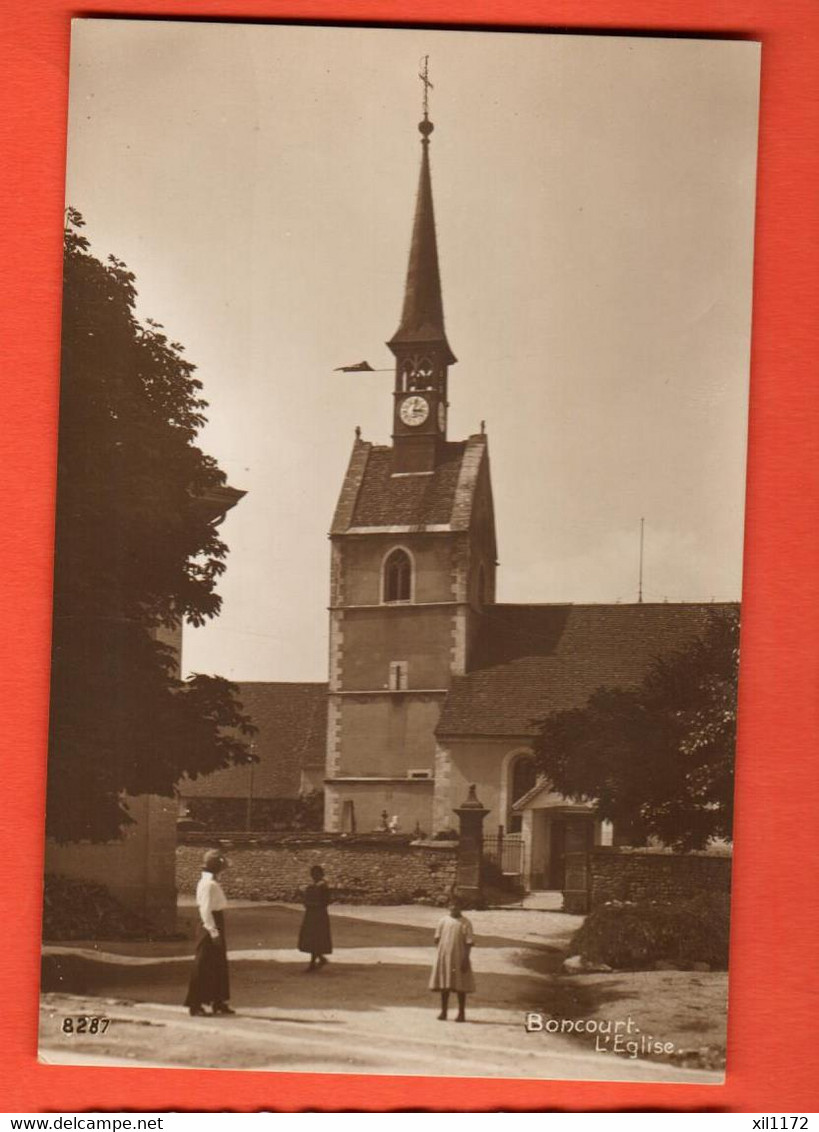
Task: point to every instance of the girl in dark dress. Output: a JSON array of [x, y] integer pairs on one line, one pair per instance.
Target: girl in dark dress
[[314, 936]]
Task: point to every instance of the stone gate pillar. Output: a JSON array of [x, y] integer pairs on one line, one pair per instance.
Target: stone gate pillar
[[470, 848], [579, 842]]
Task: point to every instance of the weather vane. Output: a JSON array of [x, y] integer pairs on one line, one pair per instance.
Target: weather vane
[[423, 75]]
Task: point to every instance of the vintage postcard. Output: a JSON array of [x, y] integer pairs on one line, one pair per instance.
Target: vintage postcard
[[399, 551]]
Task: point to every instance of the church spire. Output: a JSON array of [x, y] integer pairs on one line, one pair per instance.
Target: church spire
[[422, 353], [422, 317]]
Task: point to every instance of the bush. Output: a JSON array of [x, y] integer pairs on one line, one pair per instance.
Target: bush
[[76, 909], [636, 936]]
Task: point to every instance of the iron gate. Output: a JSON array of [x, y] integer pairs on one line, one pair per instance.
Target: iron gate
[[506, 853]]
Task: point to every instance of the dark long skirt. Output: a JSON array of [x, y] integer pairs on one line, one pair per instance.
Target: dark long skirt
[[314, 934], [209, 979]]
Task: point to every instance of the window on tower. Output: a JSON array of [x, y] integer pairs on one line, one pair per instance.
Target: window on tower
[[398, 676], [397, 577]]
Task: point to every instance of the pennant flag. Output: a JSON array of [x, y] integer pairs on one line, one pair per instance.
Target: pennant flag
[[359, 367]]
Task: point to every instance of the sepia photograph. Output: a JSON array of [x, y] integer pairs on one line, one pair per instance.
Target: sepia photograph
[[399, 546]]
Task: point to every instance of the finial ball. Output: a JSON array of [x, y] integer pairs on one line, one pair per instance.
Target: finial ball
[[426, 127]]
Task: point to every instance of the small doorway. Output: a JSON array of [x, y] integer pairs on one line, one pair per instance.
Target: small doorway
[[557, 854]]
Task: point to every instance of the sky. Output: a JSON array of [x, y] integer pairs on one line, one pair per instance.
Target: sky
[[594, 201]]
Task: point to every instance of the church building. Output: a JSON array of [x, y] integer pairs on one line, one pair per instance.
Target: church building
[[433, 685]]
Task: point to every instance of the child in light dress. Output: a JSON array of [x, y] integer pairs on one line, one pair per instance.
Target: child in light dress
[[452, 969]]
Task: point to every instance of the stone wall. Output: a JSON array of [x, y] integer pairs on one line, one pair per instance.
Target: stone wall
[[622, 874], [359, 870]]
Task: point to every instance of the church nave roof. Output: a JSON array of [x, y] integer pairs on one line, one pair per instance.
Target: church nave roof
[[532, 660]]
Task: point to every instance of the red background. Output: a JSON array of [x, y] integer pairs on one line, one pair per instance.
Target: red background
[[773, 1055]]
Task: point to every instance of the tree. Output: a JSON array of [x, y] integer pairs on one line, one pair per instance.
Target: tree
[[137, 552], [658, 759]]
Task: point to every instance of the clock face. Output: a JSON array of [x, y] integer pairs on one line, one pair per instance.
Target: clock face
[[414, 411], [441, 416]]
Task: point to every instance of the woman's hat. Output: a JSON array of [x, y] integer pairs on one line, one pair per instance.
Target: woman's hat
[[213, 859]]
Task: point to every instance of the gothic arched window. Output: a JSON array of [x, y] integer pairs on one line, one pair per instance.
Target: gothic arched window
[[398, 576], [522, 778]]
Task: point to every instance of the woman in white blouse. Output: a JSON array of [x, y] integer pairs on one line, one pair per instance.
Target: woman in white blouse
[[209, 979]]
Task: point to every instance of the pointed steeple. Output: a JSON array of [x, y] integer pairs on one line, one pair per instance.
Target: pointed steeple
[[422, 353], [422, 317]]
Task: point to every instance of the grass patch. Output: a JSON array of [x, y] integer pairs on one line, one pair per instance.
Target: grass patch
[[686, 1008]]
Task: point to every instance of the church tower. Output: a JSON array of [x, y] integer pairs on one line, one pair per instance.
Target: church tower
[[413, 564]]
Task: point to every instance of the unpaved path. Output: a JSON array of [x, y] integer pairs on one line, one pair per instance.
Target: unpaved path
[[368, 1011]]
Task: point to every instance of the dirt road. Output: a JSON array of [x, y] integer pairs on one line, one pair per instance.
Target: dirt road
[[368, 1011]]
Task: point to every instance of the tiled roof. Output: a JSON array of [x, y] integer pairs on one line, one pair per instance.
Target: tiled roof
[[387, 500], [531, 660], [372, 496], [292, 723]]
